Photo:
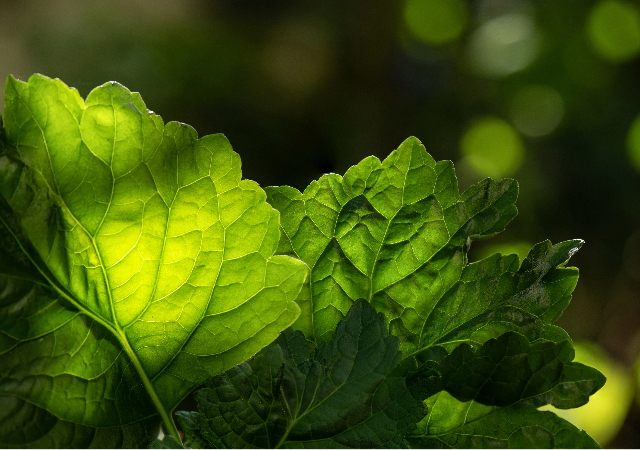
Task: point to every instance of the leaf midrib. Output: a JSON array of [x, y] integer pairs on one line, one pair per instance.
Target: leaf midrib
[[113, 328]]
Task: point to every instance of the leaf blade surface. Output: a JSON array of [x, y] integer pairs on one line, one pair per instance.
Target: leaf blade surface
[[147, 237]]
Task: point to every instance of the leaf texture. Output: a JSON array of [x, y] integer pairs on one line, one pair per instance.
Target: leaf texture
[[384, 231], [23, 425], [146, 263], [396, 233], [517, 426], [350, 394], [488, 397]]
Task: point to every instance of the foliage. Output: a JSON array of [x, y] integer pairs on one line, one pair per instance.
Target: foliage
[[139, 264], [135, 264], [395, 234]]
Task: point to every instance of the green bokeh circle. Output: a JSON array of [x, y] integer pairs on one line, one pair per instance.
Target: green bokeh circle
[[613, 28], [492, 147], [436, 21]]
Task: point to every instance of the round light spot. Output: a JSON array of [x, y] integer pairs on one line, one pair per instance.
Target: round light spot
[[436, 21], [503, 45], [633, 143], [613, 28], [536, 110], [492, 147]]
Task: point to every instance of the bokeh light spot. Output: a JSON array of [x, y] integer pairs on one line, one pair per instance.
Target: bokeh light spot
[[536, 110], [613, 28], [436, 21], [633, 143], [503, 45], [492, 147], [603, 416]]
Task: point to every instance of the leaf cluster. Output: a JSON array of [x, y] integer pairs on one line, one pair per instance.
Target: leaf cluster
[[136, 264]]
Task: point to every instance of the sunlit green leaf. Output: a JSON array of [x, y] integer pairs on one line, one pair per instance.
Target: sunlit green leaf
[[394, 233], [144, 263]]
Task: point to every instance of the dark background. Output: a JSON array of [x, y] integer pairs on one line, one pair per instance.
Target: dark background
[[543, 91]]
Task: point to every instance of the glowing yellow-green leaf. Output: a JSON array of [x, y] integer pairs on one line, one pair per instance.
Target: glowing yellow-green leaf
[[151, 259], [633, 143]]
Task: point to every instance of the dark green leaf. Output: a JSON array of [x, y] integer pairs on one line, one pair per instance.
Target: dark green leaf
[[192, 434], [346, 395], [23, 425], [488, 397], [508, 369], [454, 424]]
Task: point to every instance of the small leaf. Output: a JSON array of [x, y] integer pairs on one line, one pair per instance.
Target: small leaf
[[346, 395], [168, 442]]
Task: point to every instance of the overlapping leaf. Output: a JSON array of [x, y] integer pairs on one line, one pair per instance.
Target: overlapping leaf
[[146, 263], [396, 234], [388, 232], [488, 397], [517, 426], [346, 395]]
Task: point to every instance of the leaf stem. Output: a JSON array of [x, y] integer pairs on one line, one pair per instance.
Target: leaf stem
[[167, 420]]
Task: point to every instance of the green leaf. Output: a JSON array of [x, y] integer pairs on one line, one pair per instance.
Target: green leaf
[[385, 231], [396, 233], [23, 425], [167, 442], [144, 263], [508, 369], [349, 394], [192, 434], [490, 395], [472, 425]]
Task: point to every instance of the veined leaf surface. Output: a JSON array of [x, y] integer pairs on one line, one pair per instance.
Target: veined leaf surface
[[350, 394], [489, 397], [384, 232], [396, 233], [148, 262]]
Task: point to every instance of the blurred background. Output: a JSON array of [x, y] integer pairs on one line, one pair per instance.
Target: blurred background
[[545, 91]]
